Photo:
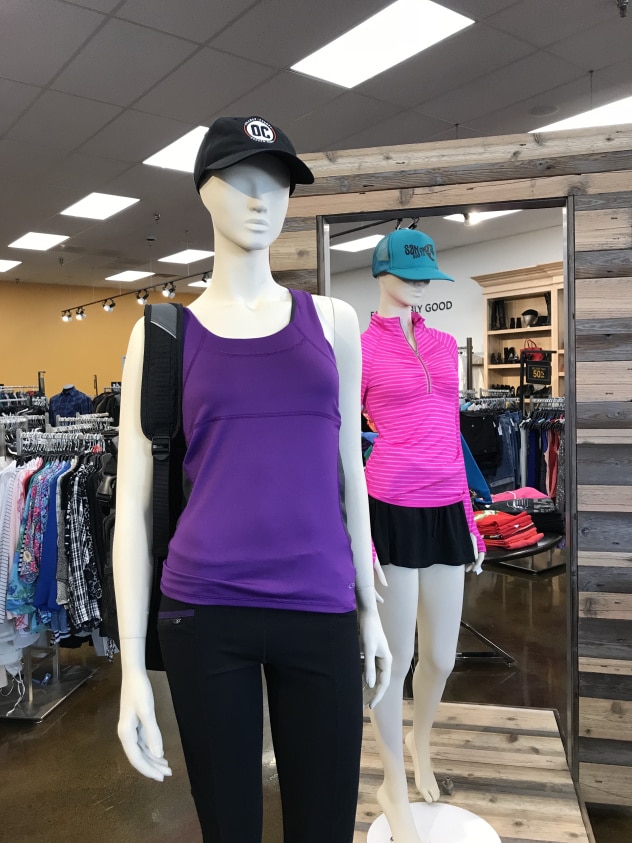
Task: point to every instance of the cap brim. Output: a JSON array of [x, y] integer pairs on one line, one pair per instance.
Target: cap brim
[[420, 274], [300, 172]]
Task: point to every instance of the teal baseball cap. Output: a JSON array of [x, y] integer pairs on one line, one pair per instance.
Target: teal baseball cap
[[409, 254]]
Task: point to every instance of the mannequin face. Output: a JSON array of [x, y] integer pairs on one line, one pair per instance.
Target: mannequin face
[[248, 201], [397, 293]]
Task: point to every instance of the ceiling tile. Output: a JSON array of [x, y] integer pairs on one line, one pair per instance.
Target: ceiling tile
[[324, 127], [477, 9], [469, 54], [281, 32], [541, 22], [536, 73], [14, 98], [597, 46], [199, 22], [62, 120], [135, 135], [188, 94], [38, 37], [122, 62], [407, 127], [106, 6]]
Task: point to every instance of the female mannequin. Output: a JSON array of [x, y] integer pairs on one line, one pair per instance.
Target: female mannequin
[[421, 516], [218, 698]]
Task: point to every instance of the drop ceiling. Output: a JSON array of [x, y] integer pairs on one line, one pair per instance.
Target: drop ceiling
[[90, 88]]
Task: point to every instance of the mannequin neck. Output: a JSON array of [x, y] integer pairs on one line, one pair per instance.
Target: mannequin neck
[[240, 273], [389, 309]]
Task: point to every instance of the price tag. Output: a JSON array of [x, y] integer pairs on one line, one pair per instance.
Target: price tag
[[538, 372]]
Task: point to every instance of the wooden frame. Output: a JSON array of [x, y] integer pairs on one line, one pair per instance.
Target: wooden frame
[[591, 172]]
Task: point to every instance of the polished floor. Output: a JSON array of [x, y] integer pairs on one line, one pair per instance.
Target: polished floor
[[66, 779]]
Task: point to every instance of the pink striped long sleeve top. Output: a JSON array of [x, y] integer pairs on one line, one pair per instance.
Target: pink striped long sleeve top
[[412, 398]]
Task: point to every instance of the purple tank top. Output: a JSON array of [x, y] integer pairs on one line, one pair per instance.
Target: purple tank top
[[263, 525]]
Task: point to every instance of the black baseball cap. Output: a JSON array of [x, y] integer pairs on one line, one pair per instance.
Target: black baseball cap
[[232, 139]]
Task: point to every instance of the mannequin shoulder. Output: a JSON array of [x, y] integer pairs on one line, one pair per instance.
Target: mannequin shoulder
[[337, 315]]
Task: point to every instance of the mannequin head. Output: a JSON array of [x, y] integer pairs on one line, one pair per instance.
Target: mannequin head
[[395, 293], [248, 201]]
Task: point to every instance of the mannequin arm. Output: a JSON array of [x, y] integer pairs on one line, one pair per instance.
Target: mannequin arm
[[477, 566], [137, 728], [346, 344]]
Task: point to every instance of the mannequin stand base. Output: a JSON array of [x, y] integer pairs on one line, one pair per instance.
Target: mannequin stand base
[[439, 823]]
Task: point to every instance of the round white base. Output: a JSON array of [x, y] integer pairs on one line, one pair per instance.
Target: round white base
[[439, 823]]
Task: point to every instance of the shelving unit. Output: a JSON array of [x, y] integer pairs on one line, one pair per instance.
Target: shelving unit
[[520, 290]]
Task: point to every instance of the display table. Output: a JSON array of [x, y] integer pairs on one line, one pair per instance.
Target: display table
[[506, 558]]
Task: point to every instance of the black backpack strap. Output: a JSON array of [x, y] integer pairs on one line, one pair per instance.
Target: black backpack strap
[[161, 407]]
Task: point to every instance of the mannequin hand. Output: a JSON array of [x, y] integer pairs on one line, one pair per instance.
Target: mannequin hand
[[381, 578], [137, 727], [476, 567], [377, 656]]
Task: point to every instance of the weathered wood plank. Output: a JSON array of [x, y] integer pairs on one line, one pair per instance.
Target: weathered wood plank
[[470, 715], [606, 719], [603, 229], [602, 298], [610, 263], [617, 559], [604, 436], [604, 531], [604, 381], [604, 751], [608, 605], [613, 580], [411, 198], [604, 465], [294, 250], [607, 686], [604, 498], [615, 666], [304, 279], [598, 638], [604, 201], [602, 414], [607, 327], [602, 345], [605, 784]]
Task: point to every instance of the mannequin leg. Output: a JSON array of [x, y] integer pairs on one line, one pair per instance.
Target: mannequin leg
[[440, 606], [398, 614]]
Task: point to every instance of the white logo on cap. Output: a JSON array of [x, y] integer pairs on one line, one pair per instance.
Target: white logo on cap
[[259, 130]]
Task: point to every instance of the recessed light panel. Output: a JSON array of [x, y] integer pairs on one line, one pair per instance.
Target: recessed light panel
[[187, 256], [38, 242], [476, 216], [5, 266], [606, 115], [359, 245], [129, 275], [99, 206], [198, 283], [179, 155], [398, 32]]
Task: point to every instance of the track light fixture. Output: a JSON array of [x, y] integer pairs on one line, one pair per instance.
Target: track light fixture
[[206, 277], [109, 306], [80, 314], [169, 290], [66, 316], [142, 296]]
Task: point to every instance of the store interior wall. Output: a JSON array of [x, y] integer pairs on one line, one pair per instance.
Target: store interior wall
[[463, 317], [33, 336]]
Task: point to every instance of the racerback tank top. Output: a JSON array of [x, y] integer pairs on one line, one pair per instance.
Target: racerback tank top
[[263, 525]]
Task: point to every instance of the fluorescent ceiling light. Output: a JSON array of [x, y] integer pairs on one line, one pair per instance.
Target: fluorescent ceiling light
[[129, 275], [398, 32], [360, 244], [606, 115], [5, 266], [179, 155], [37, 241], [199, 283], [99, 206], [475, 217], [187, 256]]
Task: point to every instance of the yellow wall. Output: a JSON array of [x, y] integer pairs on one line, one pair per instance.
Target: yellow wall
[[33, 337]]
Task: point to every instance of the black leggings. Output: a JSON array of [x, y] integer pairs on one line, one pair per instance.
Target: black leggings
[[213, 657]]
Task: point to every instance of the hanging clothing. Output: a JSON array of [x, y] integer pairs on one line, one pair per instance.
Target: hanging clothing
[[412, 399], [68, 402], [261, 424]]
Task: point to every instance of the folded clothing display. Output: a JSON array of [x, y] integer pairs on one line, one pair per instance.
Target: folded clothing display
[[505, 530], [542, 510]]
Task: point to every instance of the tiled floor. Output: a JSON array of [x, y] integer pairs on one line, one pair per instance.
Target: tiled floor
[[66, 779]]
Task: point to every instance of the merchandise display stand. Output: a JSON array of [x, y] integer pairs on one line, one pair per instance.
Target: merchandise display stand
[[438, 823], [494, 653], [505, 558], [41, 696]]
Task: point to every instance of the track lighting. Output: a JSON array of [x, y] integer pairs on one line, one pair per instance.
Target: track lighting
[[142, 296], [169, 290], [80, 314], [66, 316], [109, 306], [206, 277]]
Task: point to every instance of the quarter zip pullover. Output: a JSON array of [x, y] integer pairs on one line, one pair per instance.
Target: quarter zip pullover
[[413, 401]]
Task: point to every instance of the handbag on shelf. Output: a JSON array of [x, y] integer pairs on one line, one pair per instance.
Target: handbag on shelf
[[532, 351]]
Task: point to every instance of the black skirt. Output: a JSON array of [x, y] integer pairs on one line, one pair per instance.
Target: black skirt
[[418, 537]]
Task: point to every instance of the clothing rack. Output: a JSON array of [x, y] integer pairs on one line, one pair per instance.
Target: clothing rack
[[37, 698], [87, 422]]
